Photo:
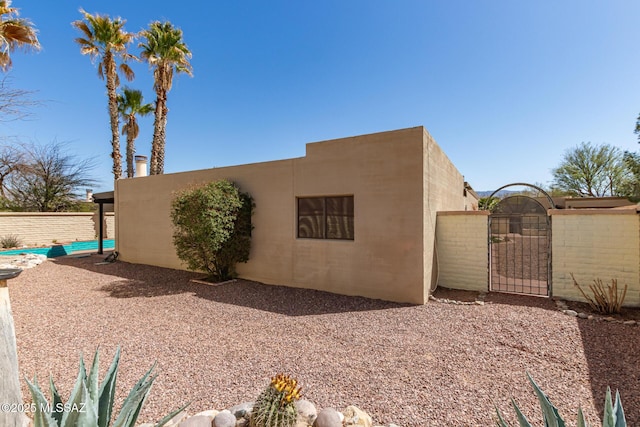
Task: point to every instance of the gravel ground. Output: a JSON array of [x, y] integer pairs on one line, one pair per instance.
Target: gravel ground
[[432, 365]]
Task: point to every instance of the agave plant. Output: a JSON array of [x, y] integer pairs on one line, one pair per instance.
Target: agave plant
[[613, 412], [91, 404]]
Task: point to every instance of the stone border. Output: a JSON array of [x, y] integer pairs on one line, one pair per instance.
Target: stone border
[[204, 282], [561, 305], [479, 300]]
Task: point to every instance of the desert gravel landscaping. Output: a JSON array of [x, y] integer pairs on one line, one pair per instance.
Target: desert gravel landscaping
[[432, 365]]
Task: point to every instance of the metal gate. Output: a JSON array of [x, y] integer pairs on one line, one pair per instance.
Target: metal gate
[[520, 247]]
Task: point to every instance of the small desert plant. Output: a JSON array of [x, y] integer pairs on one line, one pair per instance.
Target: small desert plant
[[613, 412], [212, 228], [605, 300], [275, 406], [90, 404], [10, 241]]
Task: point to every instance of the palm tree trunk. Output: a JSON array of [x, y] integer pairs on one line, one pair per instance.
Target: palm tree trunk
[[130, 149], [110, 67], [157, 146], [163, 140]]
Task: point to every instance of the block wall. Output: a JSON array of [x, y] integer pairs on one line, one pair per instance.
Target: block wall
[[41, 229], [462, 251], [590, 243], [594, 244]]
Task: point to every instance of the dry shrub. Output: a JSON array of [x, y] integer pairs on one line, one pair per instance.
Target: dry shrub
[[606, 299]]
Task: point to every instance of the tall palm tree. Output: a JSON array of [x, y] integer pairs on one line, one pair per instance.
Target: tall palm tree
[[166, 53], [130, 105], [105, 40], [15, 33]]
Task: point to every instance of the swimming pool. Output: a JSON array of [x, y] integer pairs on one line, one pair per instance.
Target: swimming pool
[[62, 250]]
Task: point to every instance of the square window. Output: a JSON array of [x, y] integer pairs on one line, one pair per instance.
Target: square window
[[326, 217]]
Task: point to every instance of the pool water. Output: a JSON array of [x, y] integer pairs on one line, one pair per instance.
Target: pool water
[[62, 250]]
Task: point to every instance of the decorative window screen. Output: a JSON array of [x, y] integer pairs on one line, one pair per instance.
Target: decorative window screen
[[325, 217]]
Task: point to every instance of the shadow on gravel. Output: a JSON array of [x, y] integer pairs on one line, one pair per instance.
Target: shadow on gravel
[[136, 281], [521, 300], [612, 351]]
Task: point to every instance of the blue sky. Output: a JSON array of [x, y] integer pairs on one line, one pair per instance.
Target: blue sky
[[505, 87]]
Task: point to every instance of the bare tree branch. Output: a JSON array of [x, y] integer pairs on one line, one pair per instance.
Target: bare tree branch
[[15, 104], [49, 179]]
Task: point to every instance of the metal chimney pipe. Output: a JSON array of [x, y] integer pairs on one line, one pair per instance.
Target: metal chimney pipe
[[141, 165], [89, 195]]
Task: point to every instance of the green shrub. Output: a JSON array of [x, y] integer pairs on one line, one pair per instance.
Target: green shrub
[[10, 241], [212, 228], [91, 404], [613, 412]]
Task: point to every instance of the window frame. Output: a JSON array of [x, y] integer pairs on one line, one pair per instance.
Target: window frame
[[325, 225]]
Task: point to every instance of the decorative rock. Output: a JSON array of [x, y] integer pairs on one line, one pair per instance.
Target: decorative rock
[[224, 419], [479, 302], [583, 315], [198, 421], [307, 411], [354, 416], [210, 413], [571, 313], [609, 319], [328, 417], [177, 418], [22, 261], [242, 410], [243, 422], [630, 322]]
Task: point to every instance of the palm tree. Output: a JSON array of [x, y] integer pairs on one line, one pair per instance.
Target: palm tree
[[130, 105], [15, 33], [166, 52], [105, 41]]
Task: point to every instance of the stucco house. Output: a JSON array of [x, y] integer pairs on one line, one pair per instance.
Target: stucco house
[[354, 216]]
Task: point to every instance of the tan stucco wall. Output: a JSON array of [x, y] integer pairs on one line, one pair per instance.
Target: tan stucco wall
[[38, 229], [385, 172], [594, 244], [462, 250], [443, 190]]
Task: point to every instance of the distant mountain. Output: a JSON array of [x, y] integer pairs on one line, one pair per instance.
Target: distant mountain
[[500, 194]]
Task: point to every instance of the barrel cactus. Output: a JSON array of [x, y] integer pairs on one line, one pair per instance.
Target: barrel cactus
[[275, 407]]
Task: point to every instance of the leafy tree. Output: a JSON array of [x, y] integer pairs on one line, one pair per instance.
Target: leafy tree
[[15, 33], [105, 40], [488, 203], [212, 228], [165, 51], [130, 105], [48, 179], [592, 171], [632, 161]]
